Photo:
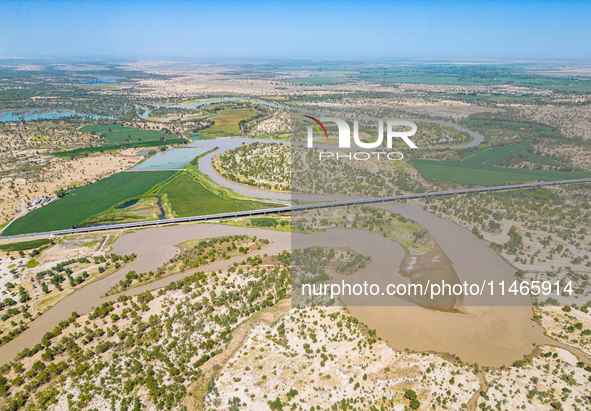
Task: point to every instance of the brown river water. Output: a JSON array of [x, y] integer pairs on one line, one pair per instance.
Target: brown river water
[[491, 335]]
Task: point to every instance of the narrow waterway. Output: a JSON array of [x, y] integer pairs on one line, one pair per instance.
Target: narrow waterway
[[491, 335], [153, 248]]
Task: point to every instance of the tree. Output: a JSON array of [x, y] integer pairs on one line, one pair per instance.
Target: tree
[[3, 386], [234, 404], [24, 297], [412, 396], [276, 405]]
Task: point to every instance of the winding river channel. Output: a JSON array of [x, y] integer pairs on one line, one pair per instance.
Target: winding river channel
[[478, 139], [489, 335], [230, 143], [486, 332]]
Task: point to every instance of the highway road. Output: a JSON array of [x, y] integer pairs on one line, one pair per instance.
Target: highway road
[[282, 210]]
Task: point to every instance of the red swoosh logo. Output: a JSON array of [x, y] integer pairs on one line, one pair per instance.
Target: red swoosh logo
[[320, 124]]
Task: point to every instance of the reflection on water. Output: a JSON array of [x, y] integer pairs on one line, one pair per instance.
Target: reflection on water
[[101, 80], [162, 214], [128, 204], [174, 158], [32, 115]]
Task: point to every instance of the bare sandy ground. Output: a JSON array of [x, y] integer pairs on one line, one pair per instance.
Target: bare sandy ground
[[61, 173], [268, 366], [551, 377], [556, 322]]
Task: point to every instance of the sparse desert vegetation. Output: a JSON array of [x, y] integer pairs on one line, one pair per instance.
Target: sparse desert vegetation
[[215, 324]]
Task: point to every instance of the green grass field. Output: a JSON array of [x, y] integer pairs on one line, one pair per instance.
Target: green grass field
[[479, 168], [84, 202], [226, 123], [120, 134], [494, 155], [528, 131], [190, 198], [474, 76], [536, 158], [108, 147], [506, 124], [25, 245]]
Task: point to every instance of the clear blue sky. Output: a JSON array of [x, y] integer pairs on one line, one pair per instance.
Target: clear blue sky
[[303, 29]]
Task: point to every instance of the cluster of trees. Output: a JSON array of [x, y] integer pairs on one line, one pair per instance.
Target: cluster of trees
[[57, 278], [412, 396], [57, 275], [256, 164], [267, 222], [513, 127], [203, 253], [354, 178], [154, 351], [203, 125], [562, 215]]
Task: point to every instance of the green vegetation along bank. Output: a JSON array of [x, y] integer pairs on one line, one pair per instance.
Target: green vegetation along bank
[[189, 197], [228, 121], [84, 151], [114, 133], [25, 245], [480, 168]]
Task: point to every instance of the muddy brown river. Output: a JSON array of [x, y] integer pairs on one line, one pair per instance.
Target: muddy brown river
[[153, 248], [491, 335]]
